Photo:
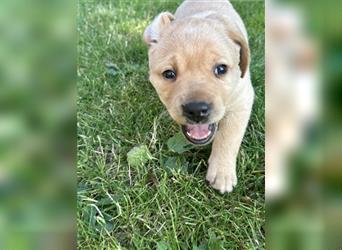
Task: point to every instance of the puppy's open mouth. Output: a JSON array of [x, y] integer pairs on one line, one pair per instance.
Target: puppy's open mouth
[[199, 134]]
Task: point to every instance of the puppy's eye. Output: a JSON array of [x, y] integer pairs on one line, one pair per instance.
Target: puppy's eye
[[220, 69], [169, 74]]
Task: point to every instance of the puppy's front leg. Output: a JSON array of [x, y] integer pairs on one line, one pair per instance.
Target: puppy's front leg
[[221, 172]]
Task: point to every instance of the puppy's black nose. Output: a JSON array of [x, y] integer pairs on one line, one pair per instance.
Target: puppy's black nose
[[196, 111]]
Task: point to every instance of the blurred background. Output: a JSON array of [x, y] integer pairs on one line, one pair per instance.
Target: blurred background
[[303, 124], [37, 124]]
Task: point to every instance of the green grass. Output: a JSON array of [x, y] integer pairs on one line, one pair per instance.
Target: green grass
[[148, 206]]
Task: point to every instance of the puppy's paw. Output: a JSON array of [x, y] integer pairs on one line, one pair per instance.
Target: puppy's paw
[[221, 177]]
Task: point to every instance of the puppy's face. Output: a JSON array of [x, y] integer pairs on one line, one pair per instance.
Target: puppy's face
[[194, 66]]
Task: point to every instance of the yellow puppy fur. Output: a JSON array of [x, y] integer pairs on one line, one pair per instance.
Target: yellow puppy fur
[[200, 55]]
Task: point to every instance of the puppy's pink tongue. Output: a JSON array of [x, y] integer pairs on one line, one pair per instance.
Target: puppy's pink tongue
[[198, 132]]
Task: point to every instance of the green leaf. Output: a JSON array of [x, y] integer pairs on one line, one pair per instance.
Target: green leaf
[[176, 163], [162, 245], [179, 144], [89, 215], [139, 155], [214, 242], [200, 247]]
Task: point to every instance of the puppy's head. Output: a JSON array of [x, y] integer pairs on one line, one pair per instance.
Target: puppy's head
[[194, 66]]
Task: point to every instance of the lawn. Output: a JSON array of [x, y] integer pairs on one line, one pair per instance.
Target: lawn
[[164, 202]]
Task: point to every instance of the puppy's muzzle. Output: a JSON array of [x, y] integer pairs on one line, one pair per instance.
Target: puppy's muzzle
[[198, 131], [197, 112]]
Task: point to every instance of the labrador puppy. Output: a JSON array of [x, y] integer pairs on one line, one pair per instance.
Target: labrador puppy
[[199, 65]]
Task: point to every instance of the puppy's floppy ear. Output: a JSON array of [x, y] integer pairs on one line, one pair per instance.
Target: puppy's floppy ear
[[239, 39], [237, 36], [153, 31]]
